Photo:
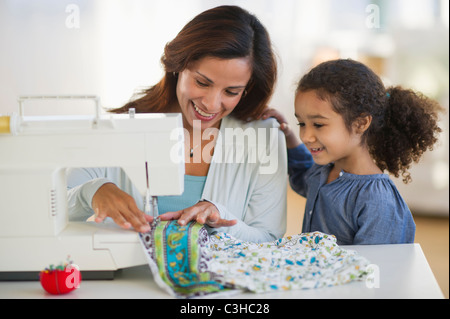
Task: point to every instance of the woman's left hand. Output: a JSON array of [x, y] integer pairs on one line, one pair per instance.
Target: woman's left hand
[[202, 212]]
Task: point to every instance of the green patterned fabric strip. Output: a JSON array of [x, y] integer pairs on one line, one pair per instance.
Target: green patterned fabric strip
[[181, 257]]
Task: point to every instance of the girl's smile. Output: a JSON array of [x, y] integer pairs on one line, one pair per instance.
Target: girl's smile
[[315, 151]]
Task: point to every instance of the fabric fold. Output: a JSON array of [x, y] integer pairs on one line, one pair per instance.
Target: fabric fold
[[178, 257], [188, 263]]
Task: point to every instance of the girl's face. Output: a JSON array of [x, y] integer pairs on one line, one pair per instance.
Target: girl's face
[[324, 133], [210, 89]]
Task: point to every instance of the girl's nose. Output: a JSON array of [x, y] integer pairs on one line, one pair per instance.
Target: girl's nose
[[307, 135]]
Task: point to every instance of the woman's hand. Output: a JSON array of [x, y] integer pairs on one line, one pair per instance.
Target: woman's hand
[[292, 139], [111, 201], [202, 212]]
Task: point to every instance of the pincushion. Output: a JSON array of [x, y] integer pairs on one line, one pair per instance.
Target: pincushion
[[61, 279]]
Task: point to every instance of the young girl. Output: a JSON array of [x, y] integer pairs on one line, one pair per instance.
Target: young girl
[[352, 130]]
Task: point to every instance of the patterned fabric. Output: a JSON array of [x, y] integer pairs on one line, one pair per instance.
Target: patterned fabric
[[187, 263], [309, 260], [178, 258]]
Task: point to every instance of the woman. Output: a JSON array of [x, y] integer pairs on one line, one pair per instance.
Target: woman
[[219, 73]]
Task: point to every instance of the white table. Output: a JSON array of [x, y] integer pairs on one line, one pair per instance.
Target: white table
[[403, 273]]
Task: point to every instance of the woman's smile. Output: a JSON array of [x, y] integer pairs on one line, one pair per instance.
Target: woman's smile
[[202, 115], [209, 89]]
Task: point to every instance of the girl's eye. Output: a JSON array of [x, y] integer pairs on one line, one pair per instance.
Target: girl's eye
[[316, 125]]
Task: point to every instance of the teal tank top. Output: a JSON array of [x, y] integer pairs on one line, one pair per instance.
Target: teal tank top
[[193, 189]]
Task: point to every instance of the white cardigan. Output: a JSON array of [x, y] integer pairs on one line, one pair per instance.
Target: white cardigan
[[247, 181]]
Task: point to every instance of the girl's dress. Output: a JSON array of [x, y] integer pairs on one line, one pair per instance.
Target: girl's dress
[[357, 209]]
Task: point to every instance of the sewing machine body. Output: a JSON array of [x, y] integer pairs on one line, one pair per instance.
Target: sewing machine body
[[34, 226]]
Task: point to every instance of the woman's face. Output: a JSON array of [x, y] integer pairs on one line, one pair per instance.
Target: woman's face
[[210, 88]]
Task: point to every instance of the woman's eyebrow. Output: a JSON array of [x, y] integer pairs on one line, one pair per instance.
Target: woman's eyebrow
[[212, 82], [204, 76]]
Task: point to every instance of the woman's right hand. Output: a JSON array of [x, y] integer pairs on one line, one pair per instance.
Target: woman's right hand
[[111, 201]]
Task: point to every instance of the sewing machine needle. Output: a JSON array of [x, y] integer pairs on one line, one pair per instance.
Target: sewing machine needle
[[147, 209]]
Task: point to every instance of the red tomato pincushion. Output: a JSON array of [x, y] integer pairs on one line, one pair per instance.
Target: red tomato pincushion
[[60, 280]]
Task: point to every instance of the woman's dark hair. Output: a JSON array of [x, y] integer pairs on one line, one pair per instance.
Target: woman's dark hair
[[224, 32], [404, 123]]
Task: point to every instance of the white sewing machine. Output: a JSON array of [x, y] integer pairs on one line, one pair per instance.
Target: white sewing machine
[[35, 152]]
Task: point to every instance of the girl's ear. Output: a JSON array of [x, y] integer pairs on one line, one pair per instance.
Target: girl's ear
[[362, 124]]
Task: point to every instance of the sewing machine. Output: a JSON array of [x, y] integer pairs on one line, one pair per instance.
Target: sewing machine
[[35, 230]]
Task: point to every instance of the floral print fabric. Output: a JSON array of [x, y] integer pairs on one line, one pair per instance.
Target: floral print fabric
[[309, 260], [186, 262]]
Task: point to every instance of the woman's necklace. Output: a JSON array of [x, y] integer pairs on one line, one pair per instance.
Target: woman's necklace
[[191, 153]]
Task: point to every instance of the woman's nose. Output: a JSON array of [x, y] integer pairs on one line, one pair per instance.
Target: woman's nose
[[212, 101]]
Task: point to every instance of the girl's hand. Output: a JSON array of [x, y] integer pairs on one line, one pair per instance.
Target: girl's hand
[[292, 140], [202, 212], [111, 201]]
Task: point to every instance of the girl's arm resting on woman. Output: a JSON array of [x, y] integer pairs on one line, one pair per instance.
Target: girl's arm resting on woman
[[299, 161]]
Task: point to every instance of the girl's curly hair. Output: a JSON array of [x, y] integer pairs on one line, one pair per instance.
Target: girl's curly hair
[[404, 123]]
